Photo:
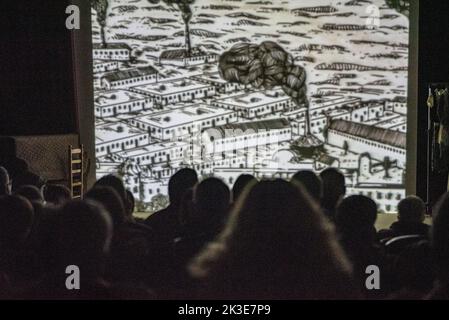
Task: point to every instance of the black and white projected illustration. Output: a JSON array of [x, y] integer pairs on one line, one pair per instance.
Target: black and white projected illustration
[[266, 87]]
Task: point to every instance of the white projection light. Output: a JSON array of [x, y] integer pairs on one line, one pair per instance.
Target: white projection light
[[265, 88]]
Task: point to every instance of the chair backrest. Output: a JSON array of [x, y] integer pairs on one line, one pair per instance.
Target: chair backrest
[[397, 244], [76, 171]]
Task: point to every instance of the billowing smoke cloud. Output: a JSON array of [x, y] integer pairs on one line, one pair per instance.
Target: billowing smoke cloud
[[266, 65]]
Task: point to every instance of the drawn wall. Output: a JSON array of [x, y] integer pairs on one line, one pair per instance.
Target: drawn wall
[[166, 97]]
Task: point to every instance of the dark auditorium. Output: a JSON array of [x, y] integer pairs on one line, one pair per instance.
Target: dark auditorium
[[224, 150]]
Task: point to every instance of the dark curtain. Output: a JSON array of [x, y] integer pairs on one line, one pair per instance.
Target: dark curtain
[[37, 85]]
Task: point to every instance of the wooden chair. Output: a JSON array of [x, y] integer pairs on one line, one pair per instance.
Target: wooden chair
[[76, 172]]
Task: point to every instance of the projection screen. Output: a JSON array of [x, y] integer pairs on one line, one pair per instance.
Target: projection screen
[[261, 87]]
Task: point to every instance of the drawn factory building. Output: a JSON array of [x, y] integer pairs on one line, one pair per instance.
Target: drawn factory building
[[116, 137], [257, 104], [158, 153], [182, 90], [114, 102], [368, 111], [240, 136], [328, 103], [127, 78], [180, 57], [105, 66], [112, 51], [398, 105], [221, 85], [182, 122], [377, 142]]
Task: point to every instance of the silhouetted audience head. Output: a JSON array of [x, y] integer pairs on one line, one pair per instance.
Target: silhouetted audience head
[[239, 185], [263, 240], [5, 183], [275, 245], [115, 183], [411, 209], [110, 200], [179, 183], [356, 216], [16, 220], [16, 167], [56, 194], [131, 203], [334, 187], [85, 237], [32, 193], [211, 200], [311, 182]]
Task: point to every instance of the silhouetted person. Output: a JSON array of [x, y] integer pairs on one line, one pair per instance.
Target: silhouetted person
[[334, 189], [355, 221], [166, 222], [27, 178], [9, 159], [5, 182], [239, 185], [413, 271], [16, 220], [131, 244], [111, 201], [440, 248], [311, 182], [32, 193], [38, 232], [411, 215], [211, 200], [17, 168], [275, 246], [210, 206], [166, 226], [56, 194], [115, 183], [84, 238], [44, 236]]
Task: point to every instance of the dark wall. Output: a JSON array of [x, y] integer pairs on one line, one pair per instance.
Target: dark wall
[[433, 67], [36, 71]]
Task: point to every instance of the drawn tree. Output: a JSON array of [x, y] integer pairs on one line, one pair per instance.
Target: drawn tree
[[159, 202], [101, 8], [267, 66], [184, 6]]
